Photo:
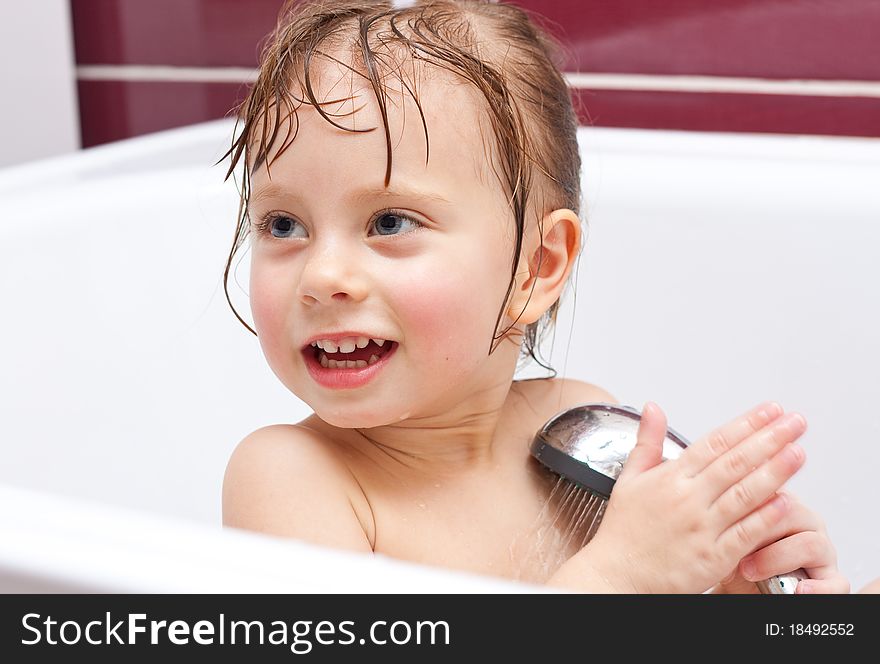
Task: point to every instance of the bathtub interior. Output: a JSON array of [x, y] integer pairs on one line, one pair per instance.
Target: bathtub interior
[[719, 271], [54, 543]]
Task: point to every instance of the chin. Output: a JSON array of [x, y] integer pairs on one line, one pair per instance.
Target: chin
[[352, 420]]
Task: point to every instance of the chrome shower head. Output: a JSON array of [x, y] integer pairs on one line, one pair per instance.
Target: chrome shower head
[[588, 444]]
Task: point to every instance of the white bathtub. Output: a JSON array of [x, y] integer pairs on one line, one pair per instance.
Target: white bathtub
[[721, 270]]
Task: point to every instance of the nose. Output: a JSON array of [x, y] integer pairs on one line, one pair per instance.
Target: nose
[[331, 273]]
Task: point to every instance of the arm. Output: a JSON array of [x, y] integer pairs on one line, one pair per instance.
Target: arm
[[282, 480]]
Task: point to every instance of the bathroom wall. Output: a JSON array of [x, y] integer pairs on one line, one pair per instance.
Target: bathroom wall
[[808, 67], [38, 113]]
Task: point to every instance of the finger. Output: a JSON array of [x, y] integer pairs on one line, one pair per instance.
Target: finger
[[743, 536], [758, 487], [828, 571], [809, 550], [742, 459], [798, 518], [710, 447], [837, 584], [648, 450]]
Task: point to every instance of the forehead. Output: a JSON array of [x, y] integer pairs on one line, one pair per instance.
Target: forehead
[[435, 120]]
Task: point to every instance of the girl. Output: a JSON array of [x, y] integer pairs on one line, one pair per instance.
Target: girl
[[411, 190]]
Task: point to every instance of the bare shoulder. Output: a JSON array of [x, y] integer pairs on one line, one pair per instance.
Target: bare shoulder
[[573, 392], [556, 394], [537, 401], [288, 480]]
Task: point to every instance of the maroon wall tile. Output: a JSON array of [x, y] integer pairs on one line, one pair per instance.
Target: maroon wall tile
[[834, 116], [113, 110], [782, 39], [824, 39], [191, 33]]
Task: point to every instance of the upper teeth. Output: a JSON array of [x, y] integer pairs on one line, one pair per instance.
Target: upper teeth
[[346, 345]]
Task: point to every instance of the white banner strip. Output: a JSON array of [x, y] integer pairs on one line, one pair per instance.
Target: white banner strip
[[720, 84], [724, 84], [157, 73]]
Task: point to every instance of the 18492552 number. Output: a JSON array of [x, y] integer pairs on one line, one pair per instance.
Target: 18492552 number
[[810, 629]]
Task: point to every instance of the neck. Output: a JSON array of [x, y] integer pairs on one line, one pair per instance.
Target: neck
[[467, 435], [458, 433]]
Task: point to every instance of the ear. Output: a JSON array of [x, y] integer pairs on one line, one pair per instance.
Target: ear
[[551, 250]]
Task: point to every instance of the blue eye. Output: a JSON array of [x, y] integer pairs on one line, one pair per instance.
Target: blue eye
[[282, 227], [278, 226], [388, 223]]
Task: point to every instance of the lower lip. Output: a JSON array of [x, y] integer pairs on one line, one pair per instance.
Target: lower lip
[[345, 379]]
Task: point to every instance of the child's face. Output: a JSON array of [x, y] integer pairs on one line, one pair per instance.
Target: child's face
[[343, 253]]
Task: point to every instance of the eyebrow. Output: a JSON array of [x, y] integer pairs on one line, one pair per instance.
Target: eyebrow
[[275, 191]]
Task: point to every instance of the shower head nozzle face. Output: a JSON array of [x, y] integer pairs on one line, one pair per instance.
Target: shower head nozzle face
[[588, 444]]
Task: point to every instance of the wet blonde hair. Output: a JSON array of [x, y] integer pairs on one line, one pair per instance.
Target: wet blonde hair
[[498, 48]]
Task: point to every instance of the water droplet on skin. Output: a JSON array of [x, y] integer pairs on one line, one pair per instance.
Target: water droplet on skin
[[421, 504]]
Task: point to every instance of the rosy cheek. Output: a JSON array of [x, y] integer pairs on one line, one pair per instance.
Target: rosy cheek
[[269, 315], [425, 305], [444, 319]]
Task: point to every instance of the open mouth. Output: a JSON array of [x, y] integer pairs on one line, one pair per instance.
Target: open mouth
[[359, 358], [348, 370]]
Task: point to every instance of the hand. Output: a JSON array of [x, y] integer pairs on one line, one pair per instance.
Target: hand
[[799, 540], [680, 525]]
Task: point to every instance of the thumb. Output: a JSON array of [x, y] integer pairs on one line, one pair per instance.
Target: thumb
[[648, 451]]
